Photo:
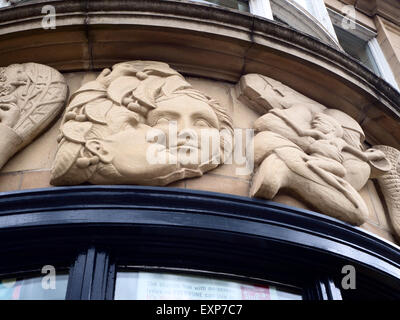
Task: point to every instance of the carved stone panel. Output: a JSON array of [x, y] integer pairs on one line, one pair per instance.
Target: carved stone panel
[[31, 96], [308, 150], [115, 126], [390, 186]]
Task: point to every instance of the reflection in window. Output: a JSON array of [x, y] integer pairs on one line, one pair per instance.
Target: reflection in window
[[7, 3], [165, 286], [31, 288], [241, 5], [357, 48]]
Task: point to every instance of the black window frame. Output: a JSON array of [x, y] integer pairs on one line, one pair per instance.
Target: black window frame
[[95, 229]]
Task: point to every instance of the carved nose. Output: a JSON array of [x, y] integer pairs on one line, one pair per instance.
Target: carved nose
[[183, 124], [187, 137]]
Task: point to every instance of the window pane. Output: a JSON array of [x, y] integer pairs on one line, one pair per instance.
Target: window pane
[[31, 288], [241, 5], [4, 3], [357, 48], [165, 286]]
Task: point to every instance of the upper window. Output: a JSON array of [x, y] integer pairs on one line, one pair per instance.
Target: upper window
[[356, 47], [242, 5], [6, 3], [310, 19], [360, 42], [313, 18], [318, 10]]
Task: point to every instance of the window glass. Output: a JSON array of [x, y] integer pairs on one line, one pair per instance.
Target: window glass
[[357, 48], [7, 3], [34, 288], [167, 286], [241, 5], [4, 3]]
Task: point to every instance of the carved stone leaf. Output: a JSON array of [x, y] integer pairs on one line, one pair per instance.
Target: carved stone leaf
[[97, 110], [178, 84], [120, 87], [76, 131], [147, 91], [89, 92], [67, 154], [39, 97]]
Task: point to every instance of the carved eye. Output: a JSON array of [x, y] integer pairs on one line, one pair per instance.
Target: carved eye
[[161, 122], [202, 123]]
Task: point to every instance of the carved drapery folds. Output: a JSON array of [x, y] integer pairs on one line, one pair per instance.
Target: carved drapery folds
[[31, 96], [308, 150], [390, 186], [106, 128]]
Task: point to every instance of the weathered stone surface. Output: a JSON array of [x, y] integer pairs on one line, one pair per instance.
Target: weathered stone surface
[[314, 152], [390, 186], [31, 96], [200, 40], [215, 183]]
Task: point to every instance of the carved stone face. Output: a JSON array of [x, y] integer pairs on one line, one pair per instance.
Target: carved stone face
[[324, 123], [126, 151], [110, 132], [193, 119], [186, 152]]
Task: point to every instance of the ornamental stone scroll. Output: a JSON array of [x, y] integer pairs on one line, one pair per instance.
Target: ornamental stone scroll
[[31, 96], [308, 150]]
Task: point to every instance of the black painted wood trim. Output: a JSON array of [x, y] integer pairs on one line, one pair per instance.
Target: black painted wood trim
[[161, 221]]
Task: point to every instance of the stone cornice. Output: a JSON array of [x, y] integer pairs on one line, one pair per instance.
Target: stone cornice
[[389, 9], [200, 40]]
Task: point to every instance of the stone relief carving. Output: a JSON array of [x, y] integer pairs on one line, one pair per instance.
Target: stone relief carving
[[390, 186], [302, 147], [104, 132], [31, 96], [308, 150]]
